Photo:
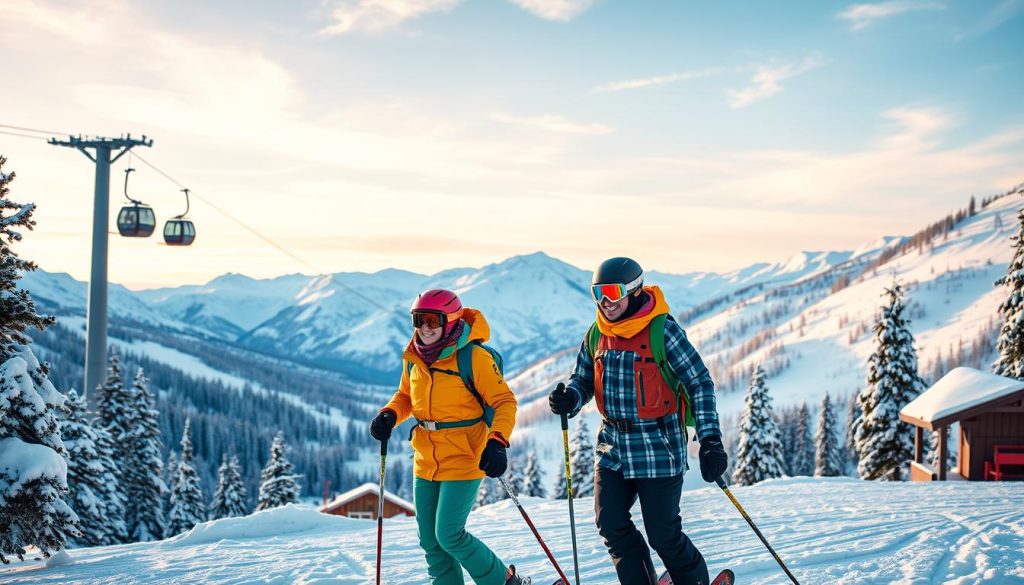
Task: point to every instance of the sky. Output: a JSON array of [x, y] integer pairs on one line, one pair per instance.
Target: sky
[[358, 135]]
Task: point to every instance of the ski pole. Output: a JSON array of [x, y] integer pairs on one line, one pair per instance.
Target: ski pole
[[568, 493], [725, 488], [380, 504], [529, 523]]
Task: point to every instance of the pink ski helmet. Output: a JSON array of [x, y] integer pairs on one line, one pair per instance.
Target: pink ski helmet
[[440, 301]]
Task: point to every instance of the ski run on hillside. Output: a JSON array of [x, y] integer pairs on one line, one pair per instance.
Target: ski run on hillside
[[837, 531]]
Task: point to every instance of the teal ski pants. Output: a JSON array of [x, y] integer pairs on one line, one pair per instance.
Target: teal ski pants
[[441, 511]]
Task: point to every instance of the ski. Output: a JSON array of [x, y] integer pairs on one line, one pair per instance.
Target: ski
[[726, 577]]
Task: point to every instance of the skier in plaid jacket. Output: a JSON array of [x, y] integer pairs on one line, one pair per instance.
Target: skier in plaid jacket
[[648, 380]]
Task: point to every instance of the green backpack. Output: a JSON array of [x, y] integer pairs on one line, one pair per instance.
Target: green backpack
[[464, 358], [660, 357]]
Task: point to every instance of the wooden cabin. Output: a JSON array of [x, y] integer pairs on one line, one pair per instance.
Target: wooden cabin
[[990, 410], [361, 502]]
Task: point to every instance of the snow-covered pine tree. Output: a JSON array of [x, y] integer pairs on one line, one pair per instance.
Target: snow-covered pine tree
[[1010, 362], [230, 499], [759, 454], [95, 490], [33, 469], [143, 482], [803, 448], [487, 494], [534, 478], [170, 477], [886, 444], [188, 507], [932, 440], [581, 456], [786, 419], [558, 490], [827, 457], [278, 486], [112, 403], [850, 439]]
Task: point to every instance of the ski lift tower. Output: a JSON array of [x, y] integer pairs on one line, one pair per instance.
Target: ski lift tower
[[96, 316]]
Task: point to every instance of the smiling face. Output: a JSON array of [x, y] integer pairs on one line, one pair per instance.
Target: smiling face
[[429, 335], [613, 311]]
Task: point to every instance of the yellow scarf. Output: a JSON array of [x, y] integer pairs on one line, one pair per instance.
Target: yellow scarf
[[627, 328]]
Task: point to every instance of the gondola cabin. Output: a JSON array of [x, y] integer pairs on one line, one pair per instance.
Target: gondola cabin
[[179, 232], [136, 221], [990, 410]]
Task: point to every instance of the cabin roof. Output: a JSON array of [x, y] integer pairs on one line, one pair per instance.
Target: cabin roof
[[961, 393]]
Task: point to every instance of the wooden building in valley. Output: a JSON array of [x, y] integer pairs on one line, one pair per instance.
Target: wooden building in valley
[[361, 502], [990, 410]]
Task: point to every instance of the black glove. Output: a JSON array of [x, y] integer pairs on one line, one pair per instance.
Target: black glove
[[381, 425], [713, 459], [563, 400], [494, 461]]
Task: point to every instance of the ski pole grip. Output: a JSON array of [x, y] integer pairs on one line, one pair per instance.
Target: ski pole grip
[[720, 481], [383, 448], [565, 421]]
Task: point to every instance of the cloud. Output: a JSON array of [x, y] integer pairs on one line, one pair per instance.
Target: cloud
[[767, 79], [552, 123], [374, 16], [863, 15], [659, 80], [562, 10]]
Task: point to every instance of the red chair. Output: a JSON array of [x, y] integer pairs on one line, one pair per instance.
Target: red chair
[[1005, 455]]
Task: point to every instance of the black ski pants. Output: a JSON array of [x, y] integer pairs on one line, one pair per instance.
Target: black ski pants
[[614, 495]]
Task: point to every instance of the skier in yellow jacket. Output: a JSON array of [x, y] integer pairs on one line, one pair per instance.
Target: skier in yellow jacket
[[460, 436]]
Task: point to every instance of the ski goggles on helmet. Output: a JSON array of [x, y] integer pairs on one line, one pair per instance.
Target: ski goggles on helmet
[[615, 292]]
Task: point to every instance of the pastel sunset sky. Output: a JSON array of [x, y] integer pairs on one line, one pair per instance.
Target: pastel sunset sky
[[429, 134]]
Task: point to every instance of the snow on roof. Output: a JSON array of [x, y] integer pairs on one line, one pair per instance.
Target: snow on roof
[[959, 390], [367, 488]]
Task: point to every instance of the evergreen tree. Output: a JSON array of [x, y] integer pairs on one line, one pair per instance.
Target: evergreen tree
[[828, 460], [850, 443], [581, 456], [170, 478], [803, 448], [230, 499], [33, 469], [188, 507], [95, 491], [884, 442], [759, 453], [1010, 362], [488, 493], [143, 482], [515, 478], [112, 406], [787, 421], [534, 478], [933, 452], [558, 490], [278, 486]]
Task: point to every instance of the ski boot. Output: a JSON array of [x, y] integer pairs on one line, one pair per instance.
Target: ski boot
[[514, 578]]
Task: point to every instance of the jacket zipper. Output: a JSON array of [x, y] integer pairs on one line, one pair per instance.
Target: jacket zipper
[[430, 413], [643, 393]]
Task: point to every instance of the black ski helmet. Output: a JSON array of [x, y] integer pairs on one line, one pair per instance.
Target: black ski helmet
[[619, 270]]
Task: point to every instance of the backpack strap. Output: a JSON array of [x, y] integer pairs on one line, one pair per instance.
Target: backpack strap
[[464, 359], [661, 358], [593, 339]]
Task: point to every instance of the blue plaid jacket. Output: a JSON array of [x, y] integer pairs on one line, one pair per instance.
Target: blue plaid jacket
[[651, 451]]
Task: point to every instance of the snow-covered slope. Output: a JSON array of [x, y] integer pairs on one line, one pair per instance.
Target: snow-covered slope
[[836, 531]]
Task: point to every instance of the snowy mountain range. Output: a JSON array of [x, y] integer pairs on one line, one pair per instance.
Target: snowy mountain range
[[357, 323]]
